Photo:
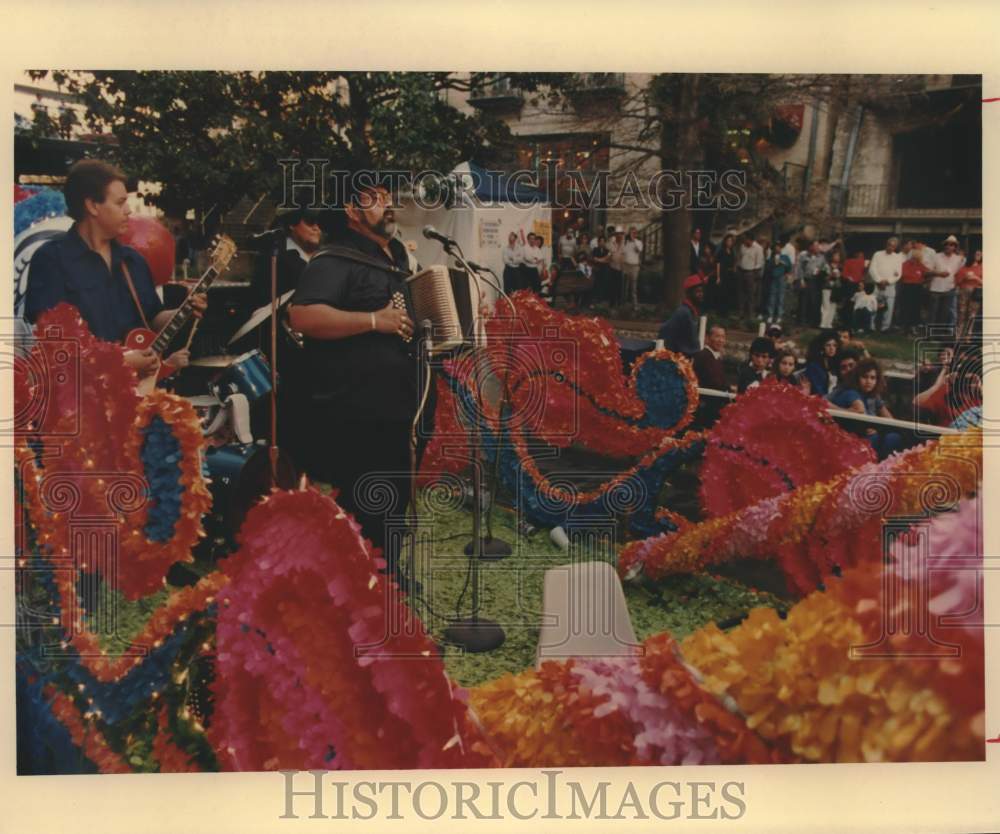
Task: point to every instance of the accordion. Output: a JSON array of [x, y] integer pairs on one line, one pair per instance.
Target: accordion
[[444, 298]]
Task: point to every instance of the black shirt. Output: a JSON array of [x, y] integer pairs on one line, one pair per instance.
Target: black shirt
[[67, 269], [371, 375], [290, 269]]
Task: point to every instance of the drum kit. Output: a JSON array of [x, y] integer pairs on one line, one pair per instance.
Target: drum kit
[[237, 463]]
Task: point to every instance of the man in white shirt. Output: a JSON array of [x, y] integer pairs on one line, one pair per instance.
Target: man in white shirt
[[631, 261], [533, 260], [789, 250], [885, 268], [942, 286], [513, 259], [567, 250], [616, 256], [750, 265]]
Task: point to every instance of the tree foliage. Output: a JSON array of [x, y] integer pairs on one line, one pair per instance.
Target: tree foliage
[[211, 138]]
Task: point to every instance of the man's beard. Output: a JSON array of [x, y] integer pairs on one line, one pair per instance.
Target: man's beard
[[377, 229]]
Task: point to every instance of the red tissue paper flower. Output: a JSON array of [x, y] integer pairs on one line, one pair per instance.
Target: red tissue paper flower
[[773, 439], [321, 663], [79, 437]]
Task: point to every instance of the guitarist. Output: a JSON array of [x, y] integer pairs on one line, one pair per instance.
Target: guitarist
[[110, 284]]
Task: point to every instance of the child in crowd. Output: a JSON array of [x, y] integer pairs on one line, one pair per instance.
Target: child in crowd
[[783, 368], [865, 308], [757, 369]]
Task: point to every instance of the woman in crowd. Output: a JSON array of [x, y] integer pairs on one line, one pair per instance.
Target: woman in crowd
[[726, 260], [957, 388], [969, 280], [831, 283], [820, 372], [862, 392], [708, 268], [600, 256]]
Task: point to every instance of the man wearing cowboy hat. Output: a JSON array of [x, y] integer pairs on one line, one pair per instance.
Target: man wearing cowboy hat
[[303, 234], [942, 286], [680, 332]]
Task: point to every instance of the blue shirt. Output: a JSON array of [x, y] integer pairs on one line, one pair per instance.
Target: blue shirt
[[843, 397], [67, 269], [777, 268], [819, 378]]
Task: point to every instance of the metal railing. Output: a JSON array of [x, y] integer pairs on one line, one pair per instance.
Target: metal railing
[[494, 85], [600, 81], [879, 200], [855, 417]]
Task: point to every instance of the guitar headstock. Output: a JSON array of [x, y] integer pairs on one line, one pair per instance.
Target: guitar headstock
[[223, 251]]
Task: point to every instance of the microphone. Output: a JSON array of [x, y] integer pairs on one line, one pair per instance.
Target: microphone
[[270, 233], [433, 234]]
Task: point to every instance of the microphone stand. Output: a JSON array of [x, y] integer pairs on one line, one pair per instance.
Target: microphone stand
[[474, 634], [484, 546], [273, 238]]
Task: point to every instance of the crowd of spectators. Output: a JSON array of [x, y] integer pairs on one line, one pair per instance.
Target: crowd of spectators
[[587, 268], [811, 282], [838, 368], [895, 288]]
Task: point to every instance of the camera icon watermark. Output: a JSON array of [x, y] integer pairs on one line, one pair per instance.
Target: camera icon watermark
[[47, 374]]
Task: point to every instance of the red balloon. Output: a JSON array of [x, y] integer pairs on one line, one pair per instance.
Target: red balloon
[[155, 243]]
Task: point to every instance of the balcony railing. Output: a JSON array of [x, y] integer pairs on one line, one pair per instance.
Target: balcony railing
[[873, 200], [597, 90], [595, 81], [495, 90]]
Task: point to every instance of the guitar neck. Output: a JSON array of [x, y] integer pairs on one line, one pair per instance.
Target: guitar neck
[[183, 313]]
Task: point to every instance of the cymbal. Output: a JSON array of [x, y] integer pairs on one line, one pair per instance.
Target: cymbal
[[258, 317], [221, 361], [204, 400]]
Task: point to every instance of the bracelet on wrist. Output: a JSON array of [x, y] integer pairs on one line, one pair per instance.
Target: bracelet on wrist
[[373, 320]]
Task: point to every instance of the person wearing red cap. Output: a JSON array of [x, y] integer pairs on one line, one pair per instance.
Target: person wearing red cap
[[680, 332]]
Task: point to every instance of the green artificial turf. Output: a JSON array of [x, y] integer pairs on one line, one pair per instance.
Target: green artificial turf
[[511, 589], [512, 594]]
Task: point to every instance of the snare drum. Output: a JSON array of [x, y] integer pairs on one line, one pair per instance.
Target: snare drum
[[248, 374]]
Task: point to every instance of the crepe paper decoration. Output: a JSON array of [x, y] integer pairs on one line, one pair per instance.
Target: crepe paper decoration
[[98, 451], [824, 525], [770, 440], [361, 686]]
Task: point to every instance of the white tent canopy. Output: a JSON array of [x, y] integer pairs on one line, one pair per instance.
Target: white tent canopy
[[480, 228]]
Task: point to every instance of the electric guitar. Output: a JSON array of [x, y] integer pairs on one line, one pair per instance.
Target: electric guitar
[[223, 251]]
